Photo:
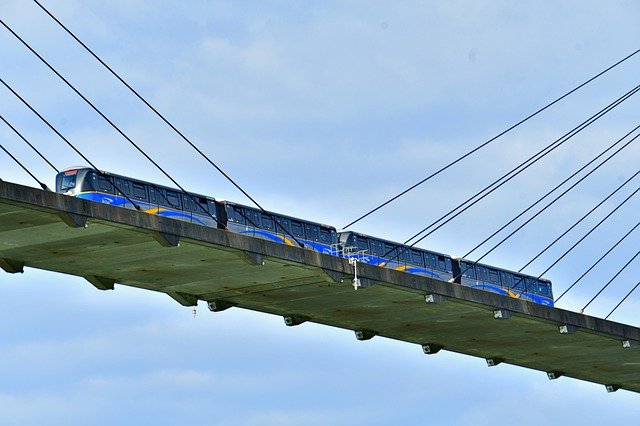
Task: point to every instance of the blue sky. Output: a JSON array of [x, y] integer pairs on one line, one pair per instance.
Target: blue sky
[[320, 110]]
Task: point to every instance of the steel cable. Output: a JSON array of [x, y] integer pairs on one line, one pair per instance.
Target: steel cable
[[167, 122], [42, 185], [437, 172], [516, 171], [598, 261], [611, 280], [28, 143]]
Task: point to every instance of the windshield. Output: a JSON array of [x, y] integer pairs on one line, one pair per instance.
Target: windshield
[[68, 181]]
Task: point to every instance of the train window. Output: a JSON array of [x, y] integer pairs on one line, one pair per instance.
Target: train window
[[104, 184], [530, 284], [325, 236], [482, 272], [119, 187], [68, 180], [403, 254], [282, 222], [467, 269], [493, 276], [237, 215], [543, 289], [267, 222], [313, 232], [376, 247], [448, 264], [442, 265], [153, 195], [139, 190], [296, 229], [252, 218], [162, 200], [390, 251], [518, 282], [430, 260], [505, 277], [362, 243], [201, 208], [173, 199], [416, 258]]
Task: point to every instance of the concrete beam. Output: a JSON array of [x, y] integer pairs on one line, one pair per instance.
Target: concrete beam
[[12, 266], [73, 220], [101, 283], [166, 240], [252, 258], [183, 298], [335, 276]]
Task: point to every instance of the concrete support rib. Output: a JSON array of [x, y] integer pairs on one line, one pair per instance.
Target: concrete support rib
[[12, 266], [228, 269], [252, 258], [183, 298], [101, 283], [73, 220], [166, 240], [335, 276]]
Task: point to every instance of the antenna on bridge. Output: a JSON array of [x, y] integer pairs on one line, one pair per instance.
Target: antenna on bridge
[[354, 257]]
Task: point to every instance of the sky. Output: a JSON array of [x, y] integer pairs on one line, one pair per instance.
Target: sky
[[320, 110]]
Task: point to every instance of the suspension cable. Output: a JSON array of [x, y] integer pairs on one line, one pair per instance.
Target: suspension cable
[[580, 220], [623, 299], [589, 233], [533, 217], [108, 120], [611, 280], [516, 171], [599, 260], [42, 185], [523, 166], [44, 120], [28, 143], [565, 192], [171, 125], [437, 172]]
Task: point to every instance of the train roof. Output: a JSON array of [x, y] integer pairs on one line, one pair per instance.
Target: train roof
[[506, 270], [137, 180], [394, 242], [233, 203]]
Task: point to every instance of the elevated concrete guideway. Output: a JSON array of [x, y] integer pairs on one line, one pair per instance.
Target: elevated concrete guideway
[[109, 245]]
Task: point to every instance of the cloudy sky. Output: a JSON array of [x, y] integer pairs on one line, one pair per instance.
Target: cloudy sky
[[320, 110]]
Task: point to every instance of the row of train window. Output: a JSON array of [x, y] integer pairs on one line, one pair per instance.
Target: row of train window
[[403, 254], [298, 228], [154, 195], [503, 278]]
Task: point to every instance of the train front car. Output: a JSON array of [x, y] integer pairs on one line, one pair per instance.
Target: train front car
[[376, 251], [121, 191], [505, 282], [280, 228]]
